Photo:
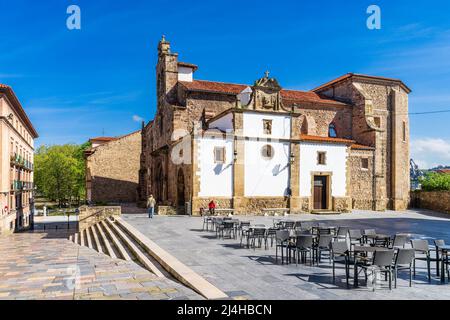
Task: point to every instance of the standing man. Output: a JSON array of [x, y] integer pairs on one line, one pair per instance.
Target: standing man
[[151, 202], [212, 207]]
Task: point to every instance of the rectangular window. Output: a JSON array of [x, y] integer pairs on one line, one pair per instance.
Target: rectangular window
[[219, 155], [377, 121], [404, 131], [365, 163], [267, 126], [321, 158]]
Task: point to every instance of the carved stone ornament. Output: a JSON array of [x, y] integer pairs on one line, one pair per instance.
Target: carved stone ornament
[[267, 94]]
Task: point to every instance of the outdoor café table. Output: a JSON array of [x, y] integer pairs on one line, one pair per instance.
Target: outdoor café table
[[444, 251], [363, 249]]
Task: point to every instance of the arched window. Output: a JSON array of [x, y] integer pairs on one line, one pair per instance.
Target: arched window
[[332, 133]]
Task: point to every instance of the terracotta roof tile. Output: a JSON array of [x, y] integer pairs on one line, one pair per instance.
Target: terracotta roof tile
[[289, 96], [210, 86], [361, 147], [294, 96], [305, 137], [103, 139]]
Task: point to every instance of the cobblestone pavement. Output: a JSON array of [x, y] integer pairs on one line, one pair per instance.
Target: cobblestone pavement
[[41, 266], [252, 274]]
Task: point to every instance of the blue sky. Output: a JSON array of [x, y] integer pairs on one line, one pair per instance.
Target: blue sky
[[101, 79]]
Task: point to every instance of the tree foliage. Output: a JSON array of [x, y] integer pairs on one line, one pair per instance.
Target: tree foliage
[[436, 182], [60, 172]]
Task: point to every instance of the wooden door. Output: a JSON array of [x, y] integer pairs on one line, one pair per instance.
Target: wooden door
[[320, 192]]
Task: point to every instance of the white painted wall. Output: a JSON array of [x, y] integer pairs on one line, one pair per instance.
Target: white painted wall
[[253, 125], [224, 123], [245, 96], [266, 177], [185, 74], [335, 163], [216, 180]]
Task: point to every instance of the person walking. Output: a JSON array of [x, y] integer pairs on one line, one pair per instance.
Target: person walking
[[151, 202], [212, 207]]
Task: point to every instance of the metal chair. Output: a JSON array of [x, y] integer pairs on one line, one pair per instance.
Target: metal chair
[[289, 225], [282, 242], [382, 263], [403, 261], [342, 233], [437, 244], [340, 255], [244, 229], [399, 241], [270, 234], [368, 232], [422, 247], [228, 229], [257, 235], [356, 237], [303, 246], [206, 222], [323, 245]]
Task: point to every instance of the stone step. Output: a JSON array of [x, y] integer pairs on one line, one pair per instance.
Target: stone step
[[106, 242], [82, 239], [140, 256], [98, 245], [89, 239], [124, 254], [177, 269]]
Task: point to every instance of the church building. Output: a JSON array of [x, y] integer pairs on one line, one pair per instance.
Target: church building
[[260, 148]]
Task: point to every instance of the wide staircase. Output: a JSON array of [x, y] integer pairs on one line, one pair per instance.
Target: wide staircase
[[110, 237], [116, 238]]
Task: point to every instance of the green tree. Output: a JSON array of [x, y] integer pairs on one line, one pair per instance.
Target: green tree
[[436, 182], [60, 172]]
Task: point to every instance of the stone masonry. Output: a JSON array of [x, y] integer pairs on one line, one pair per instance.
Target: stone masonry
[[112, 170]]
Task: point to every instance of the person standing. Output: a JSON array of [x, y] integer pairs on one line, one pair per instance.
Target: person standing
[[212, 207], [151, 202]]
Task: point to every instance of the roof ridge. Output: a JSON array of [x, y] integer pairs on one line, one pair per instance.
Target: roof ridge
[[232, 83]]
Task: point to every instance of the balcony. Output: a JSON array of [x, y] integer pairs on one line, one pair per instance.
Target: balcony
[[21, 185], [19, 161]]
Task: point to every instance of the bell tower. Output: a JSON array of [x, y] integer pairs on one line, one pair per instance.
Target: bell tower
[[166, 73]]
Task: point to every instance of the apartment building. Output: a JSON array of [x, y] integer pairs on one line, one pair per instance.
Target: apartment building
[[17, 136]]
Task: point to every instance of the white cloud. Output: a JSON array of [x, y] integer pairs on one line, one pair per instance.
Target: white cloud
[[430, 152], [137, 118]]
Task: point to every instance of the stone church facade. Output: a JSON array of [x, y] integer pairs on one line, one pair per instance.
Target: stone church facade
[[338, 147]]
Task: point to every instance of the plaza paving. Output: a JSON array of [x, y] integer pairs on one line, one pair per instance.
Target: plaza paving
[[47, 266], [252, 274]]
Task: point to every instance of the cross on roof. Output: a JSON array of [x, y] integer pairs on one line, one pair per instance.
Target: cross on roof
[[267, 74]]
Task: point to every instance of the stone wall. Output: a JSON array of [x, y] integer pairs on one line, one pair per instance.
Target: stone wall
[[432, 200], [315, 121], [342, 204], [112, 170], [361, 180], [89, 216], [380, 108]]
